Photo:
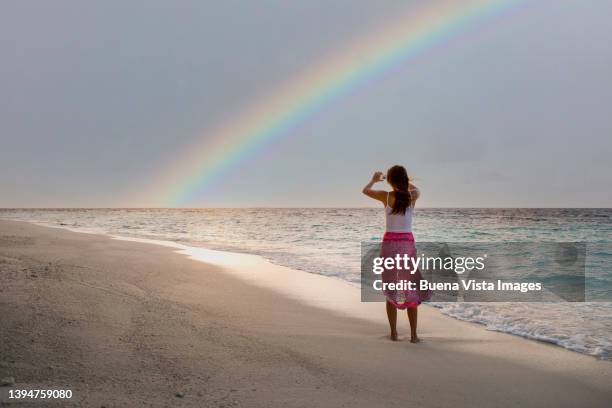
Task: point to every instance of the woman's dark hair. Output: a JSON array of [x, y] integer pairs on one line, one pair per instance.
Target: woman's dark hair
[[398, 178]]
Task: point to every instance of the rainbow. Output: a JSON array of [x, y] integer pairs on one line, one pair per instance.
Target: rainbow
[[223, 149]]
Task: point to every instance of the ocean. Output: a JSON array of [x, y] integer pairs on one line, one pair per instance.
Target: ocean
[[327, 242]]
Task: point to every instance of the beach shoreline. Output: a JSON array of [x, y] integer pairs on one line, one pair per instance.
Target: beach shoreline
[[118, 321]]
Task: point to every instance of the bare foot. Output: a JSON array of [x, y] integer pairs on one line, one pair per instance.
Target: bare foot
[[415, 339], [394, 336]]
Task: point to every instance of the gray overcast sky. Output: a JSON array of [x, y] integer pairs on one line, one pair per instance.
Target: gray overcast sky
[[98, 97]]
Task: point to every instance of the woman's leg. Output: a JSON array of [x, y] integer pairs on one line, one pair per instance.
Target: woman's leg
[[412, 318], [392, 316]]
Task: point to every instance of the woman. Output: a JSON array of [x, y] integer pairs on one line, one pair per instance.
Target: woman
[[398, 240]]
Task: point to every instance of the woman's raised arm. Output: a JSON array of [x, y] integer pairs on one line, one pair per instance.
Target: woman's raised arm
[[375, 194], [415, 193]]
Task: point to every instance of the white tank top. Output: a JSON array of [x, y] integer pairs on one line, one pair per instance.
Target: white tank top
[[397, 222]]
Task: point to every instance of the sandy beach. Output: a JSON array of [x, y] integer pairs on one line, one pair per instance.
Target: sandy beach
[[134, 324]]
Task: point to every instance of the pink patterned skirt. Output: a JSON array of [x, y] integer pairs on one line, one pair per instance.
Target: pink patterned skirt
[[402, 243]]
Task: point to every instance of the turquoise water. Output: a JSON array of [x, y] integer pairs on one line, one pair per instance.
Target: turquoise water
[[327, 242]]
